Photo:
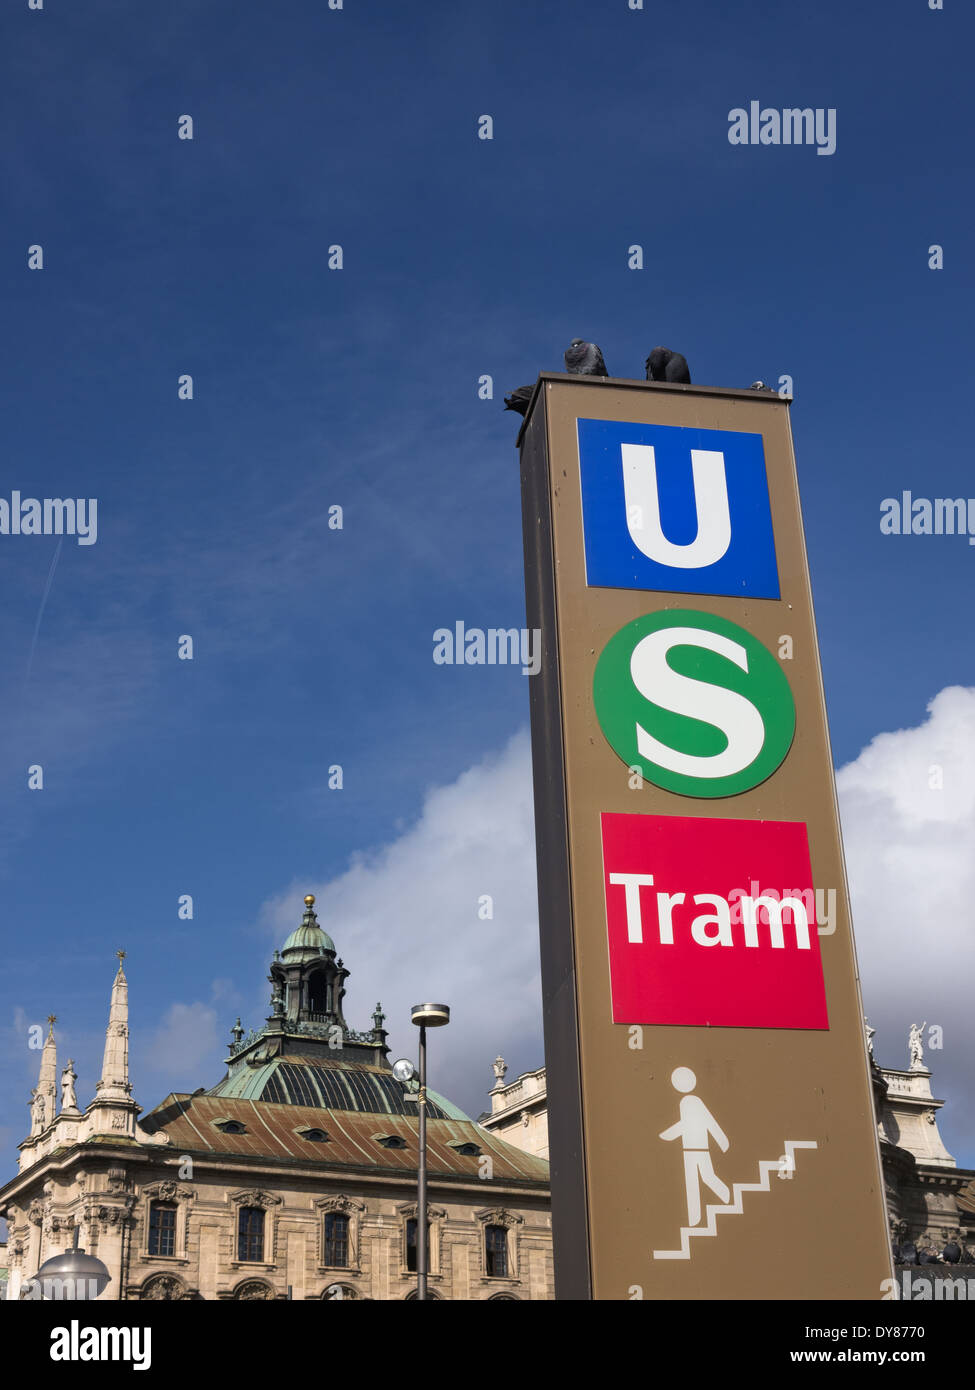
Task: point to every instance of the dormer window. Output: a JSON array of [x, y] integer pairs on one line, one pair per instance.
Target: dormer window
[[390, 1141], [466, 1147], [230, 1126], [314, 1136]]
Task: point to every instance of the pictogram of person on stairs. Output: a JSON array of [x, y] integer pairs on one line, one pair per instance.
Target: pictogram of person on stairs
[[696, 1127]]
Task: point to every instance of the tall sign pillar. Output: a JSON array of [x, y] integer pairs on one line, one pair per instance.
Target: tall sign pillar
[[711, 1117]]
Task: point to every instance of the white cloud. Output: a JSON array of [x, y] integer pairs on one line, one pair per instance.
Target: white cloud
[[405, 920], [404, 917], [910, 850], [185, 1040]]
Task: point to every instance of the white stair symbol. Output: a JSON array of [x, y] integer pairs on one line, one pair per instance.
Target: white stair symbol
[[766, 1167]]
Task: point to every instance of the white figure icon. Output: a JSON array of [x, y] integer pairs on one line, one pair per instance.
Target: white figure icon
[[696, 1127]]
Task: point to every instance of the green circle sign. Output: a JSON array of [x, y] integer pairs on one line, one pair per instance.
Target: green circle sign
[[695, 702]]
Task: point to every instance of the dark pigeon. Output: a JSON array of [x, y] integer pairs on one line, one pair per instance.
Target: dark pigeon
[[664, 365], [584, 359], [519, 398]]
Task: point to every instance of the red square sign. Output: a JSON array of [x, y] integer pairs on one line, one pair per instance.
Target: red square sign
[[712, 922]]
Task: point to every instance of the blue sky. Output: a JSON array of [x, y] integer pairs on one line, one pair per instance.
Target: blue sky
[[359, 388]]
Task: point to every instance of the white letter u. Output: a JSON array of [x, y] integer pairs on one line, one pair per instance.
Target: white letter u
[[711, 501]]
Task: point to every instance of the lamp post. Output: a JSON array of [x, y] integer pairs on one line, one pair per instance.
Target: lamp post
[[73, 1275], [424, 1016]]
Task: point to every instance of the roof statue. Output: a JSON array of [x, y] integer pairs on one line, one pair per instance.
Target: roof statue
[[37, 1110], [69, 1101], [915, 1046]]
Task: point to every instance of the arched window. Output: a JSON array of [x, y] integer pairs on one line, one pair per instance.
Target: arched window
[[319, 993], [162, 1228], [250, 1234], [496, 1252], [336, 1239]]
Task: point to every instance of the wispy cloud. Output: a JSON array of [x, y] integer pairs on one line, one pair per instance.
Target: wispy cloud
[[404, 915]]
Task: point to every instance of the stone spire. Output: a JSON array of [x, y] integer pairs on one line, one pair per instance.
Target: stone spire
[[111, 1114], [48, 1083], [114, 1083], [44, 1102]]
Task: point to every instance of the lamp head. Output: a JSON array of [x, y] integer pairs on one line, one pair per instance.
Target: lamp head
[[430, 1015]]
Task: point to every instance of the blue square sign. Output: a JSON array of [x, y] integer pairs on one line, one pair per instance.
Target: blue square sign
[[681, 510]]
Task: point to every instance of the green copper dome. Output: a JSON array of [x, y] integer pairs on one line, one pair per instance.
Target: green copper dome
[[315, 1081], [309, 940]]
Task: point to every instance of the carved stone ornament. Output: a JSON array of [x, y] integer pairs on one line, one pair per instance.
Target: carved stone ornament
[[167, 1191], [255, 1197], [408, 1212], [496, 1216], [254, 1288], [348, 1205], [109, 1216], [161, 1286]]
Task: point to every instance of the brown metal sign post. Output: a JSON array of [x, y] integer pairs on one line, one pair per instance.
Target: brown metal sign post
[[712, 1128]]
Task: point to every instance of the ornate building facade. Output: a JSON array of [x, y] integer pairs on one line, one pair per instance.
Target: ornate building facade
[[519, 1110], [293, 1177], [930, 1200]]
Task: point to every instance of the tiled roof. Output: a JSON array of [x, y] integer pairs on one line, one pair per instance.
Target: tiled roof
[[269, 1133]]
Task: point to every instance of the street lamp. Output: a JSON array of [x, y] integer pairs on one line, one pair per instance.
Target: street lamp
[[424, 1016], [403, 1071], [73, 1275]]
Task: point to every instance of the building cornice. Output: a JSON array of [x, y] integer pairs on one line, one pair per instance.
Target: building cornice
[[208, 1161]]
